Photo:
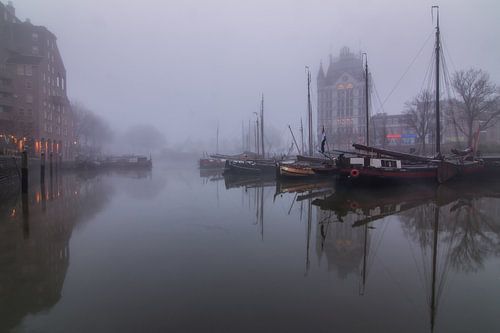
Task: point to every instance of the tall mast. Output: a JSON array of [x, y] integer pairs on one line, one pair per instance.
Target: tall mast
[[438, 123], [309, 111], [302, 136], [217, 146], [242, 136], [366, 101], [257, 136], [262, 126], [249, 136]]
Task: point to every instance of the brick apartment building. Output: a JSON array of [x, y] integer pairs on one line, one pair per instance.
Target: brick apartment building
[[35, 112]]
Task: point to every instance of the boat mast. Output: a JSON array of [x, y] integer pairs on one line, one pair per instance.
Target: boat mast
[[438, 47], [309, 110], [262, 126], [217, 144], [301, 136], [293, 137], [257, 146], [366, 101], [249, 136]]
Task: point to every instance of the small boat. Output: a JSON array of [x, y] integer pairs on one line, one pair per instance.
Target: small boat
[[295, 170], [127, 161], [250, 167], [211, 163]]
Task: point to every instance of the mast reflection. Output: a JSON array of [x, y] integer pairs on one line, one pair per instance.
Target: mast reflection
[[453, 225]]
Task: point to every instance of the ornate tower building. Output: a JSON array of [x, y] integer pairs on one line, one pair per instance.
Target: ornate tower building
[[341, 100]]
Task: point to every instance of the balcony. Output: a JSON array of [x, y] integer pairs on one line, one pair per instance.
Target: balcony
[[6, 88], [7, 101], [6, 74], [61, 100]]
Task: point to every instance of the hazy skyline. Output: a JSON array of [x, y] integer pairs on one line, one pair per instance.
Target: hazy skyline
[[185, 66]]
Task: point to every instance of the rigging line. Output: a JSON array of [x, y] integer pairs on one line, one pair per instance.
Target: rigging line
[[398, 284], [445, 47], [377, 245], [427, 75], [446, 265], [408, 68], [447, 78], [421, 276], [378, 96]]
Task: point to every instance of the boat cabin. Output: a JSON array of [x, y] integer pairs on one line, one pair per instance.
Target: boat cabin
[[375, 162]]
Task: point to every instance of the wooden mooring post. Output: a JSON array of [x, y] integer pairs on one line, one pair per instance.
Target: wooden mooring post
[[51, 163], [42, 168], [24, 172]]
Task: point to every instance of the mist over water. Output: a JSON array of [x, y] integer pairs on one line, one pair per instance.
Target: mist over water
[[107, 244], [185, 67], [179, 250]]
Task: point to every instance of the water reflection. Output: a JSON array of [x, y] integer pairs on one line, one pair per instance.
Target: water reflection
[[35, 230], [174, 252], [454, 227]]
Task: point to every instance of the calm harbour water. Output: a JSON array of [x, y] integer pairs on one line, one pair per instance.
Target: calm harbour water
[[178, 251]]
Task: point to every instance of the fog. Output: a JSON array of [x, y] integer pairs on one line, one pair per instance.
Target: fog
[[186, 66]]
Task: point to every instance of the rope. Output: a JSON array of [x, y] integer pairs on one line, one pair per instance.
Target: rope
[[407, 69]]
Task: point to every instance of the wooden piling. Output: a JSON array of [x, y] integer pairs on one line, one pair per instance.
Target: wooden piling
[[24, 172], [42, 168], [26, 215], [51, 163]]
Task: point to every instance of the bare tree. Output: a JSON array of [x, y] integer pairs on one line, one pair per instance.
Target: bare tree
[[91, 130], [144, 138], [420, 116], [478, 107]]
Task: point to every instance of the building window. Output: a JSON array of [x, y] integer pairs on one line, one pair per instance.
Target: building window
[[34, 49], [29, 98], [28, 84], [20, 69], [34, 36], [29, 70]]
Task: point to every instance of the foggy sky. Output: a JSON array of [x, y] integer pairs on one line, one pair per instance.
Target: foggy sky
[[187, 65]]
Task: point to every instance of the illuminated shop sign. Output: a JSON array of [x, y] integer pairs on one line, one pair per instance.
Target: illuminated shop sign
[[401, 136]]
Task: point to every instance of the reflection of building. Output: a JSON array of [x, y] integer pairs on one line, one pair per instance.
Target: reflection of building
[[34, 255], [341, 100], [339, 242], [34, 107]]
